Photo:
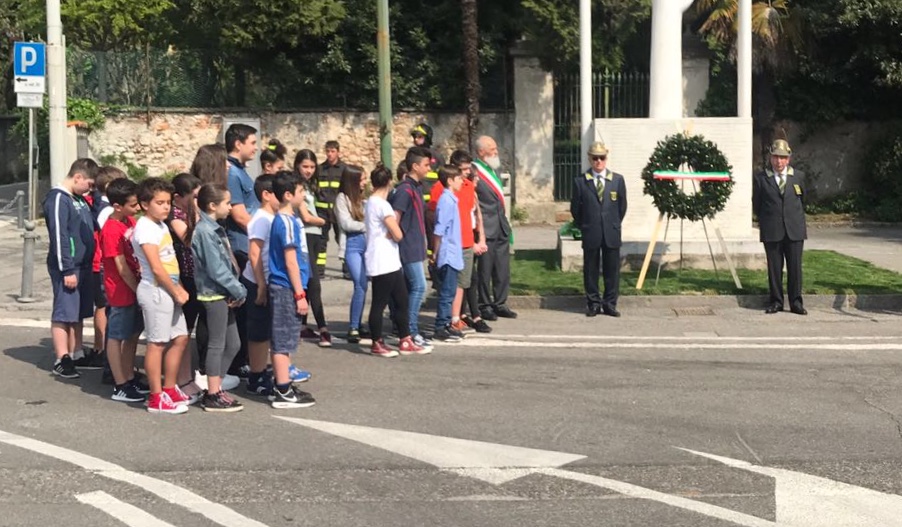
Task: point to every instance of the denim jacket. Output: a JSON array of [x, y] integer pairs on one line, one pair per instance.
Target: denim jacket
[[214, 271]]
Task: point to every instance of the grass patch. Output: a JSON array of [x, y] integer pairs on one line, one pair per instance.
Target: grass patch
[[824, 273]]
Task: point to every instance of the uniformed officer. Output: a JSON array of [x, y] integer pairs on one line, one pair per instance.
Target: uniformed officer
[[598, 207], [778, 199]]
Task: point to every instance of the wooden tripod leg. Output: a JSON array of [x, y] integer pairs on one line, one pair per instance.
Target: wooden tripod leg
[[726, 254], [650, 252]]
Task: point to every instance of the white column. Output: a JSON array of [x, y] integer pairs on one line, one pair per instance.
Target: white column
[[56, 88], [585, 78], [666, 100], [744, 59]]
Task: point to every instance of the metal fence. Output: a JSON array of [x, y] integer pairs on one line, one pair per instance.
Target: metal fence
[[622, 94]]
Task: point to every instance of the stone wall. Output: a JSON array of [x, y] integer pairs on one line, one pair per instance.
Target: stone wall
[[167, 141]]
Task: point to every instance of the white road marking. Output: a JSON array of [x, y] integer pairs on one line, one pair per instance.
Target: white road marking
[[480, 460], [174, 494], [127, 514], [811, 501], [764, 346], [523, 336], [636, 491]]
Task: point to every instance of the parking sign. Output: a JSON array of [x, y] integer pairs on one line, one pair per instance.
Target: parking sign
[[29, 67]]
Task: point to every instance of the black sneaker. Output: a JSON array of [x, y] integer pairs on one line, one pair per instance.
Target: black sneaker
[[140, 385], [443, 335], [293, 398], [65, 368], [454, 332], [128, 393], [481, 327], [488, 314], [92, 360], [353, 336], [220, 402], [259, 384]]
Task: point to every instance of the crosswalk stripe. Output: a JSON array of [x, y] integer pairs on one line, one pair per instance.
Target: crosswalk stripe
[[124, 512]]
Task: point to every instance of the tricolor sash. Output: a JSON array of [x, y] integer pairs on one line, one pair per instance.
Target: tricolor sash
[[488, 175]]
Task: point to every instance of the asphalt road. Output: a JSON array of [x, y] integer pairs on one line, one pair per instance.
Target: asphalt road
[[794, 397]]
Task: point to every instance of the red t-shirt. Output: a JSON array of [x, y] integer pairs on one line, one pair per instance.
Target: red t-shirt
[[115, 240], [466, 201]]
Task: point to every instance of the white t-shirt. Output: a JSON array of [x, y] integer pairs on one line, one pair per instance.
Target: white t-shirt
[[148, 231], [258, 229], [381, 255]]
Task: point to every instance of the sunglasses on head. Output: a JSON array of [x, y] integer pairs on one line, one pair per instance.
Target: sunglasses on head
[[599, 158]]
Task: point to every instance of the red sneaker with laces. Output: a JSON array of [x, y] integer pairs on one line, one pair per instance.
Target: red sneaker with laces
[[160, 403], [379, 349], [408, 347]]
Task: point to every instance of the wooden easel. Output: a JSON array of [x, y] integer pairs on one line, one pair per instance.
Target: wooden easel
[[683, 176]]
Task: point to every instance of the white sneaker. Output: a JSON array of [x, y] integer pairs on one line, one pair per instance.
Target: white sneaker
[[230, 382]]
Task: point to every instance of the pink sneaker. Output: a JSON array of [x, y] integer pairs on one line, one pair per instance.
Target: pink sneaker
[[160, 403], [408, 347]]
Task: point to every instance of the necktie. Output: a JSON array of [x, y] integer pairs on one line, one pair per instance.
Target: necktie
[[781, 182], [599, 186]]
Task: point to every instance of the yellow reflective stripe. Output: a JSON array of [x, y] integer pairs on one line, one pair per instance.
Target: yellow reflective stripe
[[429, 252], [427, 197], [322, 205], [335, 184], [210, 298], [323, 184], [432, 175]]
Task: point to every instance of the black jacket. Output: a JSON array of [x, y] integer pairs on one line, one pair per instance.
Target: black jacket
[[779, 215], [599, 219], [328, 182]]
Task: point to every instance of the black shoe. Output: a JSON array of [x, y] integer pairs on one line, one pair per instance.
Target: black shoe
[[353, 336], [454, 332], [481, 327], [773, 308], [92, 360], [592, 311], [505, 312], [127, 393], [488, 314], [65, 368], [293, 398], [220, 402], [799, 310], [610, 311], [444, 335]]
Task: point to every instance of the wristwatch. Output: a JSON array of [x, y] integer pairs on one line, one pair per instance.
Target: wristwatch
[[300, 296]]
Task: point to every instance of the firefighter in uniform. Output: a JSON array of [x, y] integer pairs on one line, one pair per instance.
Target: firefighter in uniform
[[329, 179]]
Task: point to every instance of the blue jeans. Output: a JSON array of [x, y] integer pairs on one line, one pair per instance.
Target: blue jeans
[[447, 276], [415, 275], [355, 247]]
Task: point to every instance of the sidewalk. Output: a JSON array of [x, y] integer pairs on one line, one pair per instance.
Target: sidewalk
[[881, 246]]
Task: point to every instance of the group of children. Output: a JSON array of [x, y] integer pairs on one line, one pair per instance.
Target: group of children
[[176, 269]]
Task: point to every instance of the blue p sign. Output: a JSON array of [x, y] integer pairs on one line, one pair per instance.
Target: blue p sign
[[29, 59]]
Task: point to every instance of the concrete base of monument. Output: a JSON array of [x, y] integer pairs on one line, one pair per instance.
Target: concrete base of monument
[[746, 254]]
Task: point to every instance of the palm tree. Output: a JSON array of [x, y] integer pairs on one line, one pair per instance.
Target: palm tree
[[776, 33], [472, 87]]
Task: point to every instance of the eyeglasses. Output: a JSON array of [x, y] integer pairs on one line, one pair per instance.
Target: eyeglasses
[[599, 158]]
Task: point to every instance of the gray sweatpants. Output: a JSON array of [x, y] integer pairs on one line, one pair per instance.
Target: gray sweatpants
[[224, 340]]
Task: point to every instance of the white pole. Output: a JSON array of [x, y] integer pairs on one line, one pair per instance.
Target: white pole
[[32, 184], [666, 90], [585, 79], [56, 86], [744, 59]]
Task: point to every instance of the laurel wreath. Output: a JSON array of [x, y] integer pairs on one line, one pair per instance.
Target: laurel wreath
[[700, 155]]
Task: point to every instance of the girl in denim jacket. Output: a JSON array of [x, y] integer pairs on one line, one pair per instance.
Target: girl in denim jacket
[[219, 291]]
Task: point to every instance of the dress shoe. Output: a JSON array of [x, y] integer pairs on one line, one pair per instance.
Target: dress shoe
[[591, 311], [505, 312], [773, 308], [799, 310], [488, 314], [610, 311]]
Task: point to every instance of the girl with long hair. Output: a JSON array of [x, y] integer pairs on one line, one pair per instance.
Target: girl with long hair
[[350, 215], [272, 158], [305, 165]]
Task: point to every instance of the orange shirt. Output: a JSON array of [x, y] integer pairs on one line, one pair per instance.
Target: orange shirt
[[466, 202]]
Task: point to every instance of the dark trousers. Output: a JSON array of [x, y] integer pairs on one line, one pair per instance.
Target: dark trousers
[[314, 287], [494, 274], [389, 286], [240, 359], [607, 260], [471, 294], [319, 250], [791, 252]]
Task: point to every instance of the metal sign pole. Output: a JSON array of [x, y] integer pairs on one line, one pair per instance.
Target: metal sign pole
[[32, 176]]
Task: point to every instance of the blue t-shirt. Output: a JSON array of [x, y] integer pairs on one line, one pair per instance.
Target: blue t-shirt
[[241, 187], [407, 199], [447, 225], [286, 232]]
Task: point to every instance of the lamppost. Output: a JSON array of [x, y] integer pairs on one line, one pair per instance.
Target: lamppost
[[384, 59], [56, 87]]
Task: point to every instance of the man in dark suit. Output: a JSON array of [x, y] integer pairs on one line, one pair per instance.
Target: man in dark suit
[[493, 267], [778, 199], [598, 207]]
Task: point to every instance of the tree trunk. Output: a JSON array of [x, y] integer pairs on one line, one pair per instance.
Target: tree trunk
[[472, 88]]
